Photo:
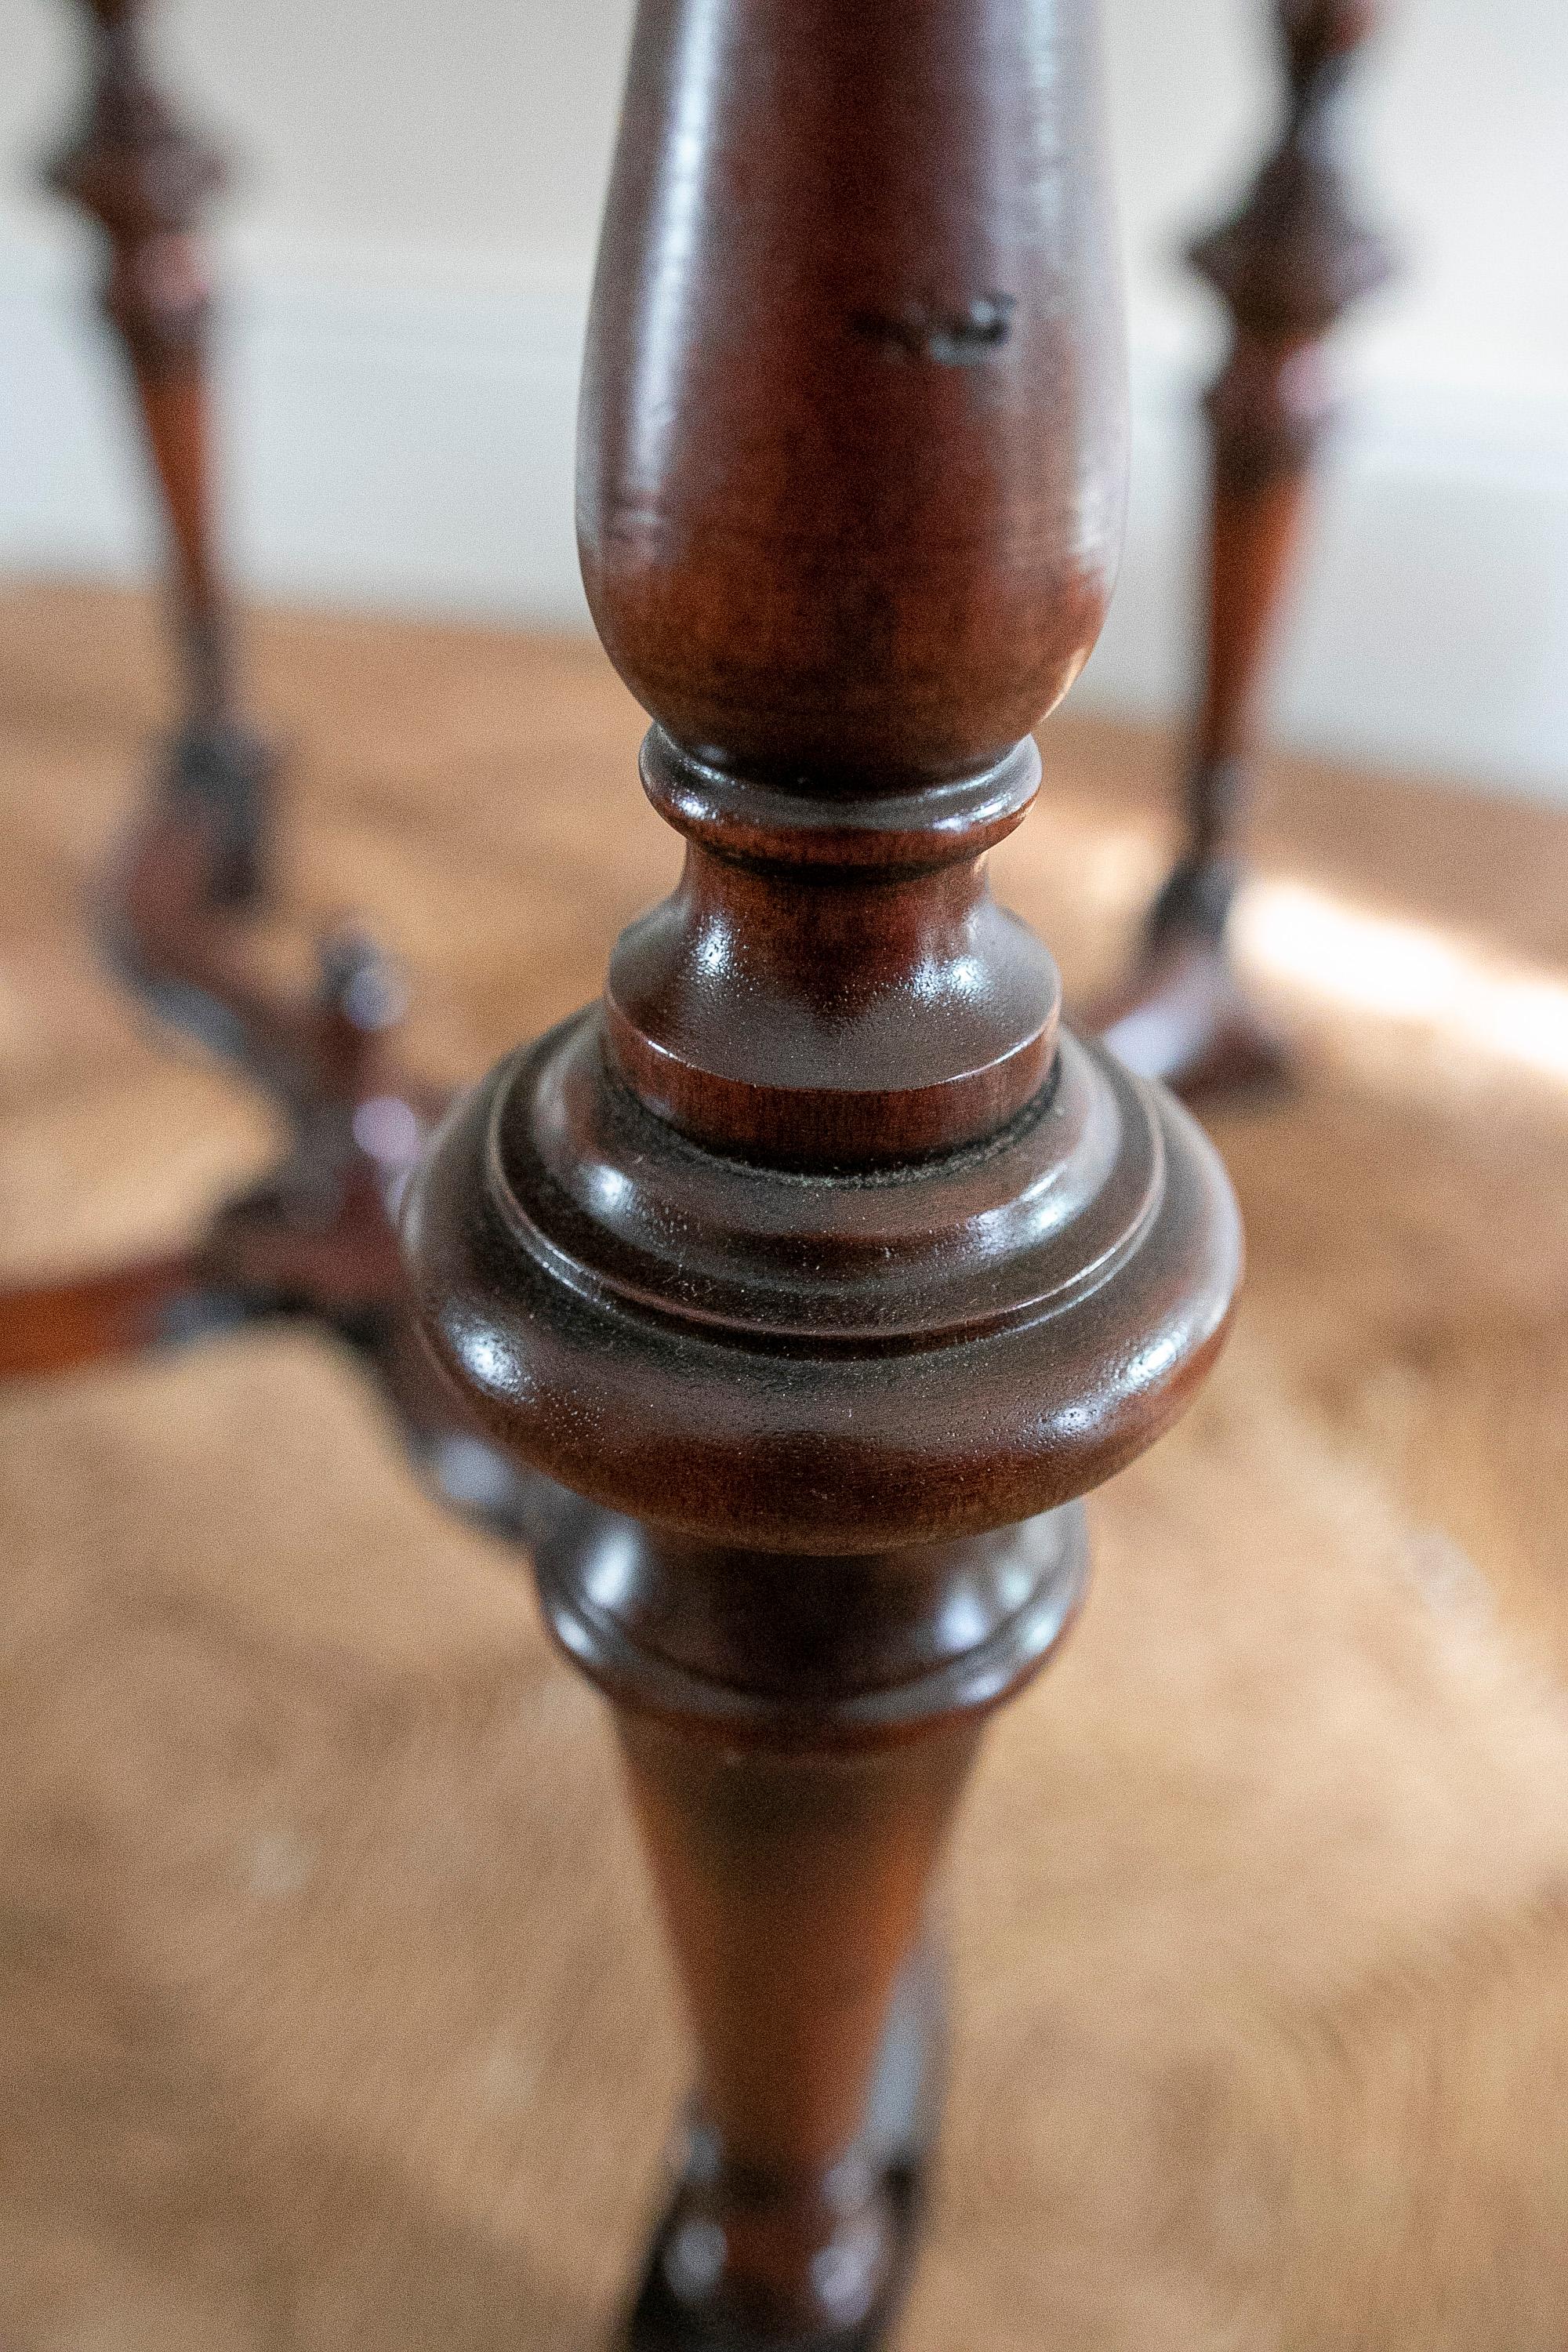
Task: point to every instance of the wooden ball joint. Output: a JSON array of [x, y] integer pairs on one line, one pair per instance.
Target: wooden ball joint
[[818, 1268]]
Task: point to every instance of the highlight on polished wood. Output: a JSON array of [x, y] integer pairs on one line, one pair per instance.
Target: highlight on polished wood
[[818, 1270], [1287, 266]]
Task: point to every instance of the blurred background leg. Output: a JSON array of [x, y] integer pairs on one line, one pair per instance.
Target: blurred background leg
[[135, 169], [1287, 266], [316, 1237]]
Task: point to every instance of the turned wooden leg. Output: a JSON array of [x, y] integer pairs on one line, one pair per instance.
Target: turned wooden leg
[[145, 179], [817, 1269], [1289, 263], [793, 1887], [794, 1754], [317, 1237]]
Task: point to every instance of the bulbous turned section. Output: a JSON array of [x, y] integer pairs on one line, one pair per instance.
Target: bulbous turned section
[[767, 1006], [135, 168], [1296, 255], [852, 461], [850, 503], [831, 1363], [818, 1234], [1290, 261]]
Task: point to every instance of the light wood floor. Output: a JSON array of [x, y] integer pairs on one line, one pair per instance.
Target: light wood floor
[[330, 2009]]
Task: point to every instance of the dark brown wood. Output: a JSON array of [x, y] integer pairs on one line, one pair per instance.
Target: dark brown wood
[[58, 1326], [1287, 266], [818, 1268], [317, 1238], [136, 171], [318, 1235]]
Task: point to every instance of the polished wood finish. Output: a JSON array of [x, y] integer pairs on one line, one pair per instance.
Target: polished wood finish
[[818, 1270], [1289, 263], [132, 167]]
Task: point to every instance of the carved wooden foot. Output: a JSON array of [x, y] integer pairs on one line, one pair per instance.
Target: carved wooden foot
[[1183, 1015]]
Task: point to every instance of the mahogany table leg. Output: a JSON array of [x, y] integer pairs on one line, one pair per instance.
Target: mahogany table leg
[[56, 1327], [794, 1816], [1288, 265], [793, 1889], [144, 178], [317, 1237], [818, 1270]]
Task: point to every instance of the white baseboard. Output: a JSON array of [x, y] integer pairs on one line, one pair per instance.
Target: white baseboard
[[401, 440], [400, 434], [1429, 628]]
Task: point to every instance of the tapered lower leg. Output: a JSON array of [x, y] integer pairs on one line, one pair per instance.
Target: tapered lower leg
[[220, 771], [794, 1888], [797, 1731]]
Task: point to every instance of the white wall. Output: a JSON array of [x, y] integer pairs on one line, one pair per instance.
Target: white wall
[[408, 253]]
